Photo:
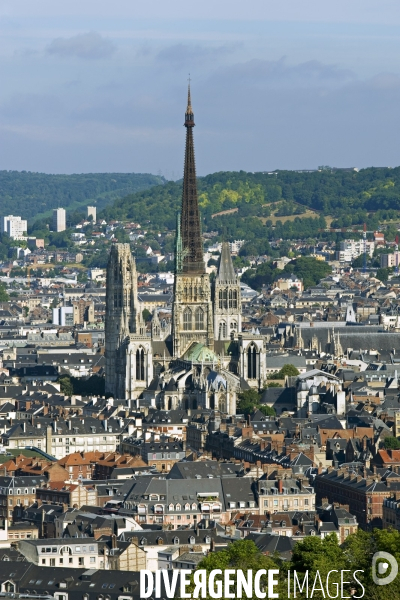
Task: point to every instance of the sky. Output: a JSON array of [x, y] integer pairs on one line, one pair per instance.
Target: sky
[[100, 85]]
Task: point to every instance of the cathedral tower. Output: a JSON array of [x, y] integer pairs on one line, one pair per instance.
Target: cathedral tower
[[121, 317], [227, 298], [192, 307]]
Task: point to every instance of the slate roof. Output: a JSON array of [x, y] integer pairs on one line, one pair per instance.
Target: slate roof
[[189, 470]]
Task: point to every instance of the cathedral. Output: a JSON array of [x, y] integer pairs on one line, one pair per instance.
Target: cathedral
[[203, 360]]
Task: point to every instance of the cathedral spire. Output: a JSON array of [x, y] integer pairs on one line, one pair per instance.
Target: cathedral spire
[[193, 261]]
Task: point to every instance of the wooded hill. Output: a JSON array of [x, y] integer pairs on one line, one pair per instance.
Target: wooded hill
[[34, 195], [263, 201]]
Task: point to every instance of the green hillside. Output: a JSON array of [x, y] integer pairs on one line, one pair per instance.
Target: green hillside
[[34, 195], [285, 204]]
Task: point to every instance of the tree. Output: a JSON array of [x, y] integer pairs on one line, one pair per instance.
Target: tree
[[4, 297], [268, 411], [82, 277], [391, 443], [383, 274], [248, 401], [241, 555], [66, 387], [287, 370], [146, 315], [358, 262]]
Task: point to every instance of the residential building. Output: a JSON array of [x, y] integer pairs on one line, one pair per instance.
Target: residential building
[[15, 227], [91, 212], [285, 494], [64, 316], [349, 250], [17, 493], [390, 260], [59, 219], [60, 437]]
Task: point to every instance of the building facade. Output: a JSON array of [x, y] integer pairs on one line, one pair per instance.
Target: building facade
[[59, 219], [15, 227]]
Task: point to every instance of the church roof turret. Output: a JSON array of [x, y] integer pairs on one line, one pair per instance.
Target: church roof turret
[[226, 272]]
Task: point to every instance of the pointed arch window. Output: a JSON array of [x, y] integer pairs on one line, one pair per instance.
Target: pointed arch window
[[234, 299], [222, 330], [252, 358], [225, 298], [187, 320], [220, 299], [140, 364], [230, 298], [199, 319]]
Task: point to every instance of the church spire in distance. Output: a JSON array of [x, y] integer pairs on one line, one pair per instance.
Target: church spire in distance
[[192, 259]]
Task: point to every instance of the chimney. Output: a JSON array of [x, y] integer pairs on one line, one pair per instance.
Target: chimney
[[105, 423], [113, 541], [69, 424], [280, 485]]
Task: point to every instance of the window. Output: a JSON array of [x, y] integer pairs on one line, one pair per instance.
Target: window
[[222, 330], [43, 561], [306, 502], [140, 364], [234, 299], [52, 562], [252, 362], [92, 559], [187, 320], [199, 319], [81, 560]]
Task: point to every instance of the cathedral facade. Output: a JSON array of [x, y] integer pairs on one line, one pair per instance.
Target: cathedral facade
[[204, 359]]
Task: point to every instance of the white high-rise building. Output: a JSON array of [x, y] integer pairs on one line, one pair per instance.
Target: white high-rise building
[[390, 260], [15, 227], [59, 220], [91, 212], [351, 249]]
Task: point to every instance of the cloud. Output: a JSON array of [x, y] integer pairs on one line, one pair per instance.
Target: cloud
[[278, 74], [90, 46], [184, 54], [32, 107]]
